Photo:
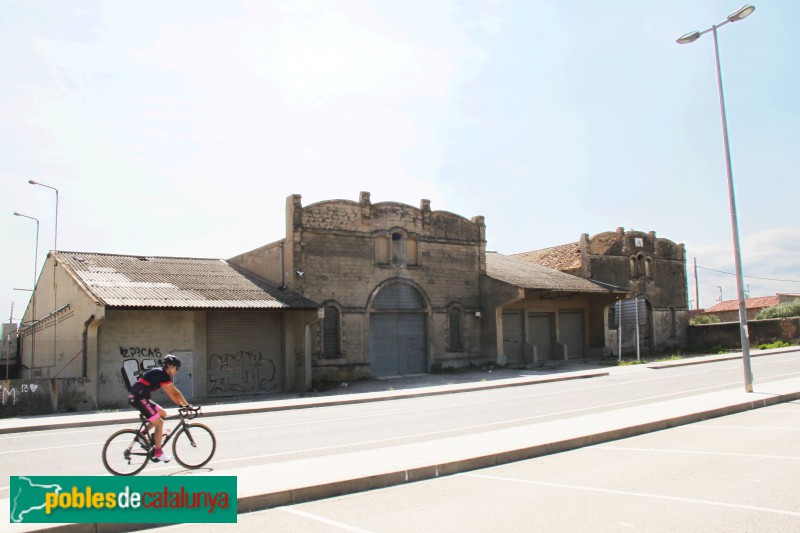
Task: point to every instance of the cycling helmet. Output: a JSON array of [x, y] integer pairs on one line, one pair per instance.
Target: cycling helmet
[[171, 360]]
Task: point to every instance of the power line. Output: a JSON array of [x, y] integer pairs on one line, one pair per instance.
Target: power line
[[751, 277]]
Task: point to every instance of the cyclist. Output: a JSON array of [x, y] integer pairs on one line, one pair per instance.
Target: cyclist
[[139, 398]]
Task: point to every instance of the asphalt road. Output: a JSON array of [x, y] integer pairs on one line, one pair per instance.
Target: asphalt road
[[731, 474], [245, 440]]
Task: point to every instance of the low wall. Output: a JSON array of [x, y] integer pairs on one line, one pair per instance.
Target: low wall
[[726, 334], [28, 397]]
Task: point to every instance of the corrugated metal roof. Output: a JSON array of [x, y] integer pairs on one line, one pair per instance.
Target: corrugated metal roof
[[174, 282], [562, 257], [532, 276]]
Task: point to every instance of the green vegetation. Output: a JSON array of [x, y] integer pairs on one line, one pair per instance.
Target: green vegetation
[[629, 362], [776, 344], [704, 319], [784, 310], [675, 357]]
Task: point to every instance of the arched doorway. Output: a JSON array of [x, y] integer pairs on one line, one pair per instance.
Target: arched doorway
[[398, 331]]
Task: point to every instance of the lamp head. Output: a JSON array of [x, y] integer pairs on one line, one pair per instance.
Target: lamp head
[[690, 37], [741, 13], [32, 182]]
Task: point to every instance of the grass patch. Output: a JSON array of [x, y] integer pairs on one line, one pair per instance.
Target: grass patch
[[629, 362], [776, 344], [673, 357]]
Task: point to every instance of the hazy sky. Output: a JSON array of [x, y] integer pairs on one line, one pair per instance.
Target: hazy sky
[[179, 128]]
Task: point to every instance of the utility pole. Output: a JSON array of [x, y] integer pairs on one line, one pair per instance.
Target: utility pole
[[696, 287]]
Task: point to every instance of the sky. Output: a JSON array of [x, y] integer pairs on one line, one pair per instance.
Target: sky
[[179, 128]]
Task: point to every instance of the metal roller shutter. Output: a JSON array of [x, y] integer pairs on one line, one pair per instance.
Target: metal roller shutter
[[512, 336], [244, 353], [571, 330]]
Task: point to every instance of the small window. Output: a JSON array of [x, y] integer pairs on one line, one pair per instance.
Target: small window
[[398, 248], [330, 333]]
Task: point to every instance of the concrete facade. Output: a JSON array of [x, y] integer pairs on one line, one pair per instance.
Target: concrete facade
[[97, 344]]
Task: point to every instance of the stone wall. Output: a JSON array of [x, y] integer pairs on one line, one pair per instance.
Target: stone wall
[[727, 334], [30, 397]]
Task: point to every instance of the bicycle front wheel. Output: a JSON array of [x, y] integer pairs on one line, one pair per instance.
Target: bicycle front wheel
[[126, 453], [194, 446]]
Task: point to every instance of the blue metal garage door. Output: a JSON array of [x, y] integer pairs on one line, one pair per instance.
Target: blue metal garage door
[[398, 344]]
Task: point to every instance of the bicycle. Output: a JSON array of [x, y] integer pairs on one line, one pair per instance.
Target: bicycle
[[128, 451]]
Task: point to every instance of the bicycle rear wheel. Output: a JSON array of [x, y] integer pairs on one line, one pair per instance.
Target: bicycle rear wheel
[[194, 446], [126, 453]]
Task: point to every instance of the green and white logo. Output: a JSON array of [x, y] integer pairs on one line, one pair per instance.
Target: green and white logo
[[108, 499]]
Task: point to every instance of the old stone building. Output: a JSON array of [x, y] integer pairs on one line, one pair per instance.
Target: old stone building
[[353, 289], [648, 267], [404, 289], [398, 286]]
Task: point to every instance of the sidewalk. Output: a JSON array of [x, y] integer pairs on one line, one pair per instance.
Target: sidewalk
[[292, 482]]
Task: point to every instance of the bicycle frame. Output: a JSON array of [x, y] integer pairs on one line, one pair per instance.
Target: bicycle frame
[[185, 413]]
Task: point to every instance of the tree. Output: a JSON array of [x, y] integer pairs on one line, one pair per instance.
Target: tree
[[784, 310]]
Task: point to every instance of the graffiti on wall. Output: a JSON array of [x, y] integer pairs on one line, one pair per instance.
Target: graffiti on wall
[[135, 351], [11, 394], [240, 373], [133, 369]]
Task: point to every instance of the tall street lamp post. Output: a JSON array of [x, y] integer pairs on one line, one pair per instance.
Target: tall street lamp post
[[33, 294], [55, 287], [743, 333], [55, 243]]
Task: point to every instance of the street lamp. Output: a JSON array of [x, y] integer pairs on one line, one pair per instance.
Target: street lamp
[[55, 286], [55, 244], [743, 333], [33, 294], [36, 253]]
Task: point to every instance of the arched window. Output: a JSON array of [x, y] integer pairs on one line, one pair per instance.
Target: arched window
[[398, 296], [331, 338], [398, 248], [455, 318]]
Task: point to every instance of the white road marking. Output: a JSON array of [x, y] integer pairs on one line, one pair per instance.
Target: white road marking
[[639, 494], [694, 452], [327, 521]]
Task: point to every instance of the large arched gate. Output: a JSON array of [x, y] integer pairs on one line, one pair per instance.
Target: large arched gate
[[398, 331]]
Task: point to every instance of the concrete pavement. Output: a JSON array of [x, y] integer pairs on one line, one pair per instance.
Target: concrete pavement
[[303, 480]]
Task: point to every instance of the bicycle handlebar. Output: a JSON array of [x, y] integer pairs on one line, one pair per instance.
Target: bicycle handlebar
[[189, 411]]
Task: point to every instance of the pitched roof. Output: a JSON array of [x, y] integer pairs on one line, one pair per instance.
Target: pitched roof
[[174, 282], [750, 303], [527, 275], [562, 257]]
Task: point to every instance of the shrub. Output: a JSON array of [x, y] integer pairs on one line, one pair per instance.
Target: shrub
[[776, 344], [704, 319], [784, 310]]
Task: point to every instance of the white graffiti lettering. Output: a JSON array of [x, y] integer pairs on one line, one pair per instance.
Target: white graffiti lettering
[[10, 393]]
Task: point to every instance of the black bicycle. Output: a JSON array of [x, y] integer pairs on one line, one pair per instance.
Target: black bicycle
[[128, 451]]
